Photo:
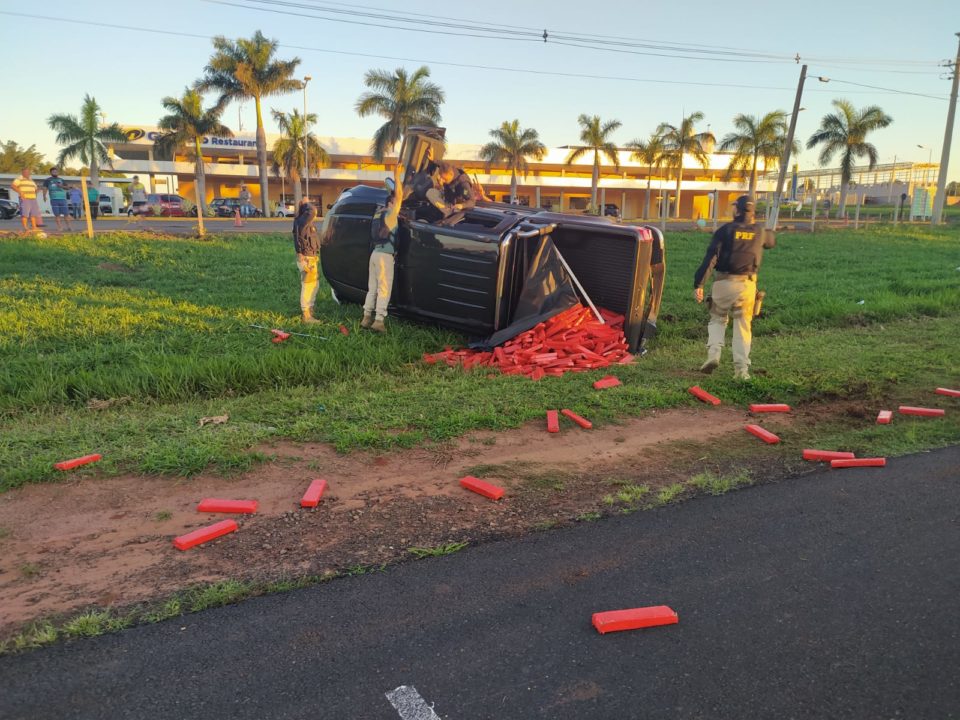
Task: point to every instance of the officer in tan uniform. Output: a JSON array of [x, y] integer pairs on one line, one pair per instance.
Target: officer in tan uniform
[[735, 252]]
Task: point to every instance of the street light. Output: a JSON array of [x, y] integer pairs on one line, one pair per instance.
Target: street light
[[927, 169], [306, 134]]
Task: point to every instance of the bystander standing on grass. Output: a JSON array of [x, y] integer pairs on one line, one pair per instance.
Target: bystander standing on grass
[[56, 189], [383, 239], [307, 245], [26, 189]]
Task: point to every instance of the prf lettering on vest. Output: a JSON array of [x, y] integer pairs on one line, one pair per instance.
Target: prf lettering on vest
[[743, 235]]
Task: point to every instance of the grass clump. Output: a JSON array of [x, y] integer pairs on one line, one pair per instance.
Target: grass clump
[[716, 484], [668, 494], [94, 623], [438, 551]]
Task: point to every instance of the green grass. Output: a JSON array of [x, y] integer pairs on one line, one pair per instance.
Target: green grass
[[715, 484], [669, 494], [438, 551], [172, 335]]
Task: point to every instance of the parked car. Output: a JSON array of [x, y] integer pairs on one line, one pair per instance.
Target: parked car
[[9, 209], [106, 204], [493, 271], [170, 205], [285, 208], [226, 207], [611, 210]]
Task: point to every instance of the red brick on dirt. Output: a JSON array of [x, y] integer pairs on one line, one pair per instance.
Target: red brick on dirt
[[205, 534], [635, 618], [884, 417], [481, 487], [553, 421], [765, 435], [311, 498], [826, 455], [948, 392], [769, 408], [219, 505]]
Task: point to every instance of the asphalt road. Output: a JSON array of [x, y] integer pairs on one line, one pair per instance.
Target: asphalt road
[[835, 595]]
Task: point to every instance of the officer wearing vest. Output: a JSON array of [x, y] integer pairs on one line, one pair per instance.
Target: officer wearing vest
[[383, 245], [735, 251]]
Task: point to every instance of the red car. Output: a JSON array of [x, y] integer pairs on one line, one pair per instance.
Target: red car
[[170, 205]]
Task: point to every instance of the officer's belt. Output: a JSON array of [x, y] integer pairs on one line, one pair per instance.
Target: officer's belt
[[730, 276]]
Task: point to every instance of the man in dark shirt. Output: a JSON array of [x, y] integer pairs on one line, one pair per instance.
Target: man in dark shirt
[[452, 193], [307, 247], [735, 251]]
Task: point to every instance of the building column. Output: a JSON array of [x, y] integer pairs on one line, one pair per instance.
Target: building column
[[561, 200], [537, 196], [603, 200], [623, 203]]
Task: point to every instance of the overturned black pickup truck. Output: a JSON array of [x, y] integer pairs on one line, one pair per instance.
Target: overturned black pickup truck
[[502, 268]]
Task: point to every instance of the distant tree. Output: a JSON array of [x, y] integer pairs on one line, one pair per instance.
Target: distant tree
[[756, 140], [680, 140], [14, 158], [186, 126], [650, 152], [953, 188], [85, 138], [511, 147], [246, 69], [844, 132], [289, 149], [595, 136], [404, 100]]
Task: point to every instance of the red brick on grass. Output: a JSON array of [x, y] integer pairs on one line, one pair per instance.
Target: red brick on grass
[[921, 411], [581, 421], [77, 462], [700, 394], [948, 392], [769, 408], [553, 421], [884, 417]]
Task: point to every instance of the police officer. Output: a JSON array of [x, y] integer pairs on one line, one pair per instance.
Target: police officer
[[735, 250], [452, 193]]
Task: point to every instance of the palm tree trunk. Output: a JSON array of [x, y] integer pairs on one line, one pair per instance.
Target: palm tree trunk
[[646, 205], [841, 211], [596, 180], [513, 186], [297, 190], [94, 172], [676, 212], [262, 161], [201, 177], [752, 192]]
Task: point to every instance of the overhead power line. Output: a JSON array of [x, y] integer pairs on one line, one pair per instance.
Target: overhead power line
[[525, 71]]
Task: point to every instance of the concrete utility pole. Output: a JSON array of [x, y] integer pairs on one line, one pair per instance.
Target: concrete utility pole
[[306, 138], [940, 199], [785, 160]]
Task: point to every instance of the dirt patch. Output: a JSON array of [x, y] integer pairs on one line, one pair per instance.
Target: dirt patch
[[107, 541]]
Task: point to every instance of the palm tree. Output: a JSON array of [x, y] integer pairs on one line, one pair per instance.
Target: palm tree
[[185, 127], [244, 69], [594, 135], [511, 147], [85, 138], [845, 132], [650, 153], [405, 101], [756, 139], [680, 140], [288, 150]]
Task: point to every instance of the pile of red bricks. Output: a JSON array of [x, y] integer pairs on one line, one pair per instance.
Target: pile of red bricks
[[571, 341]]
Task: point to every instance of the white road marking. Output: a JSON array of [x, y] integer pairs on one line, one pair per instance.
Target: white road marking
[[407, 701]]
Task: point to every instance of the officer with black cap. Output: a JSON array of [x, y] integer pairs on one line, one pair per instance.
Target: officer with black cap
[[735, 251]]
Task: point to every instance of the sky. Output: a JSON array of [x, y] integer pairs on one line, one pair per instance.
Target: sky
[[638, 62]]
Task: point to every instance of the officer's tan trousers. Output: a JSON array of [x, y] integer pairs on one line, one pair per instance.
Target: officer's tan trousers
[[309, 280], [379, 284], [732, 296]]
